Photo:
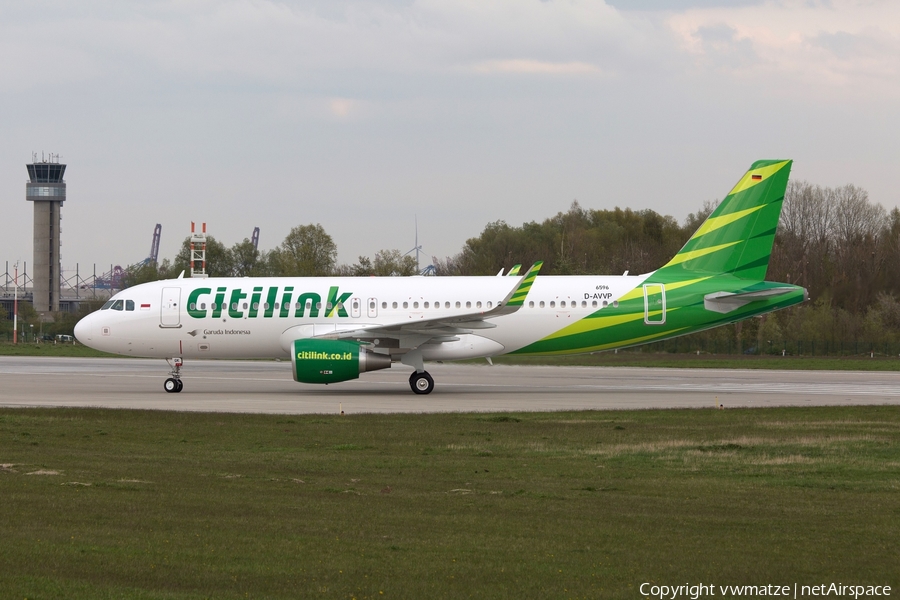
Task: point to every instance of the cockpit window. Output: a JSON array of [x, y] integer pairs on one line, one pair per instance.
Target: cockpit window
[[117, 305], [129, 305], [106, 305]]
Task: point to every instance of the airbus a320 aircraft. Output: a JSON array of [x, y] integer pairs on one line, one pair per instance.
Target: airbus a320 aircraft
[[335, 328]]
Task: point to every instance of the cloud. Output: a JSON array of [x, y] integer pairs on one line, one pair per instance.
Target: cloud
[[263, 41], [342, 107], [849, 44], [461, 106], [535, 67]]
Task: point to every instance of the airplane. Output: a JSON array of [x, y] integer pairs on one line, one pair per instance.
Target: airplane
[[336, 328]]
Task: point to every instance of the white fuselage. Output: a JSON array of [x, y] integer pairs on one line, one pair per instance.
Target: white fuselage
[[260, 317]]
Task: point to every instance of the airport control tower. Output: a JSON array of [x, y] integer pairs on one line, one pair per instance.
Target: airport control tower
[[47, 189]]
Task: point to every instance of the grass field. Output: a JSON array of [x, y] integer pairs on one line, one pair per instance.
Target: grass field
[[49, 349], [132, 504]]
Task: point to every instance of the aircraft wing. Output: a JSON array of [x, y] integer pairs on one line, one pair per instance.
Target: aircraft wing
[[444, 329]]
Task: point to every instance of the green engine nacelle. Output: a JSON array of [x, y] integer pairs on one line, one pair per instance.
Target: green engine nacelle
[[331, 361]]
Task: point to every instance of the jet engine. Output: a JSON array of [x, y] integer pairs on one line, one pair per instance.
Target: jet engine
[[331, 361]]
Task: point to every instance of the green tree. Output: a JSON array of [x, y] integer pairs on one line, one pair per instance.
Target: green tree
[[28, 321], [389, 263], [142, 273], [362, 268], [63, 323], [248, 261], [5, 322], [307, 251]]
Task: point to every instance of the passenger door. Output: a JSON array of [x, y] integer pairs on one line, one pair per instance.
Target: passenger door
[[170, 309]]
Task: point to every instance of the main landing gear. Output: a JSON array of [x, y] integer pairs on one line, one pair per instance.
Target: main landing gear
[[421, 383], [173, 384]]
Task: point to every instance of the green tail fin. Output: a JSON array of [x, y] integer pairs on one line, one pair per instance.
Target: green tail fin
[[737, 237]]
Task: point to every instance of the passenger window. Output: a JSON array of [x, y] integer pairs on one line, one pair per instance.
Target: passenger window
[[531, 304], [245, 306], [542, 304], [583, 304], [615, 304], [552, 303], [406, 305], [605, 304], [446, 305], [193, 306], [426, 305], [594, 304], [394, 305], [384, 305], [457, 304], [118, 305], [106, 305], [203, 306], [129, 305], [318, 306], [562, 304], [256, 306], [415, 305], [468, 305], [489, 305]]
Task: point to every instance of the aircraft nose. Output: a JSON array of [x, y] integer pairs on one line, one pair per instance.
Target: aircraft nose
[[84, 329]]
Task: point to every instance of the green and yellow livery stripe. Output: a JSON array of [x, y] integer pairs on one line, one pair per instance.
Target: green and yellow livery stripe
[[728, 254], [694, 254], [595, 324], [638, 292], [713, 223], [737, 237], [758, 174], [635, 341], [518, 297]]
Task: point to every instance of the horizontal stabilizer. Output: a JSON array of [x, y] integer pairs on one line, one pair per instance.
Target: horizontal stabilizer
[[725, 302]]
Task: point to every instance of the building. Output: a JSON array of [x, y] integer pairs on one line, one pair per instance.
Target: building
[[47, 189]]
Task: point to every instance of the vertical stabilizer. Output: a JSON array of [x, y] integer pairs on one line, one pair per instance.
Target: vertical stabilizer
[[737, 237]]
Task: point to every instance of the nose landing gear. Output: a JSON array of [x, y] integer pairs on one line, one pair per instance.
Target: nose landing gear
[[173, 384]]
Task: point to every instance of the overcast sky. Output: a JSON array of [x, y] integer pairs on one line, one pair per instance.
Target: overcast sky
[[362, 115]]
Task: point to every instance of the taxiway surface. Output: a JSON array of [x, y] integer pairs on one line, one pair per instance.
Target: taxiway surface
[[267, 387]]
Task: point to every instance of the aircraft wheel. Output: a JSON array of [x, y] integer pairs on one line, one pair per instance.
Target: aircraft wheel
[[180, 386], [421, 383], [171, 385]]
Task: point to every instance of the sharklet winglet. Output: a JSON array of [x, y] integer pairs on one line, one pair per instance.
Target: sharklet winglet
[[517, 297]]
